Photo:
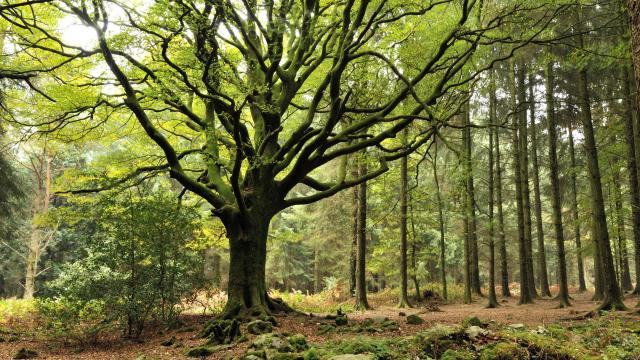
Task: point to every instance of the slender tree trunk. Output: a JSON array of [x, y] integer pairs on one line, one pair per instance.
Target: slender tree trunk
[[492, 300], [404, 298], [443, 273], [414, 250], [471, 210], [525, 294], [543, 280], [634, 17], [467, 260], [582, 286], [623, 261], [504, 271], [563, 294], [524, 168], [632, 172], [611, 291], [354, 237], [212, 266], [361, 254]]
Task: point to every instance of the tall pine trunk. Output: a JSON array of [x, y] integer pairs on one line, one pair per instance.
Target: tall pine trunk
[[361, 253], [471, 206], [612, 296], [582, 286], [623, 260], [563, 294], [492, 300], [502, 241], [543, 280], [524, 177], [525, 294], [443, 272], [404, 298], [632, 172]]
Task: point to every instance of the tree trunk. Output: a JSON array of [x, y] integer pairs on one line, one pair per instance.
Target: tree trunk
[[543, 280], [611, 291], [471, 210], [524, 168], [525, 294], [563, 294], [361, 253], [414, 246], [623, 259], [467, 261], [443, 272], [504, 271], [632, 172], [582, 286], [492, 300], [404, 298], [354, 237]]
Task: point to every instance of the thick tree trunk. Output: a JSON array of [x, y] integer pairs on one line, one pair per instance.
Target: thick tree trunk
[[504, 271], [471, 209], [543, 280], [525, 294], [524, 168], [404, 298], [443, 272], [563, 294], [492, 300], [361, 253], [582, 286], [611, 291]]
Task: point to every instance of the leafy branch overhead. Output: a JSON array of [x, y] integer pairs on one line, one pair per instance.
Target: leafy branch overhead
[[245, 94]]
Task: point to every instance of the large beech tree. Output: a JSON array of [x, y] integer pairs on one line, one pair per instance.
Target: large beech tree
[[247, 100]]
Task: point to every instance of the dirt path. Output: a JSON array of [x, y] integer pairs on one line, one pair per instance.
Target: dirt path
[[543, 311]]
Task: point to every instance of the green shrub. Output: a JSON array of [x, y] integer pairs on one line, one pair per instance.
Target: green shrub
[[78, 321], [140, 263]]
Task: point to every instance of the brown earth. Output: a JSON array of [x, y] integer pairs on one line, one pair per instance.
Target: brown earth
[[543, 311]]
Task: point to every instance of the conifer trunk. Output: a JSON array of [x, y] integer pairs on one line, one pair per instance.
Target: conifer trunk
[[582, 286], [443, 273], [563, 294], [612, 296], [504, 271], [404, 298], [361, 253], [543, 279], [525, 295], [471, 210], [492, 300]]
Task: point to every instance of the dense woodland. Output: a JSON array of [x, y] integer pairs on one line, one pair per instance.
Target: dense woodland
[[245, 159]]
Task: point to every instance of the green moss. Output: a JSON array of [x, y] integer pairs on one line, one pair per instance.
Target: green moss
[[504, 351], [298, 342], [457, 355], [414, 320], [473, 321]]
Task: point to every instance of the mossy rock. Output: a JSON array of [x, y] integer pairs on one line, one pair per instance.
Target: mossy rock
[[457, 355], [352, 357], [312, 354], [298, 342], [271, 341], [221, 332], [199, 351], [414, 320], [440, 338], [504, 351], [473, 321], [25, 353], [341, 320], [258, 327]]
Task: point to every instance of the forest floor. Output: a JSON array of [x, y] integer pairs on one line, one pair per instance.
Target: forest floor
[[543, 312]]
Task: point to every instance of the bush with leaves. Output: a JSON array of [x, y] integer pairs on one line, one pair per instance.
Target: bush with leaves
[[140, 262]]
